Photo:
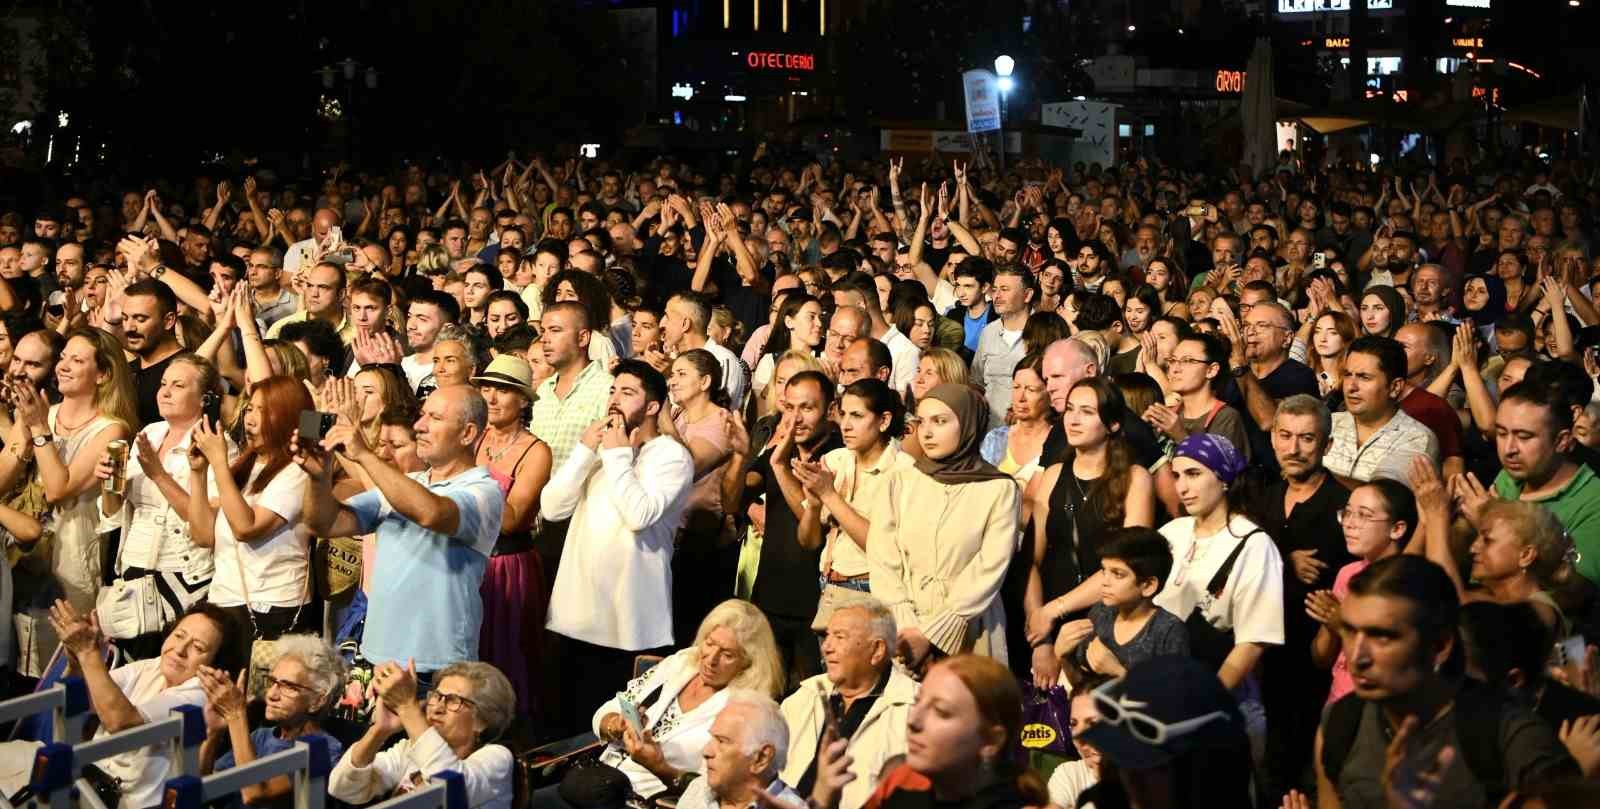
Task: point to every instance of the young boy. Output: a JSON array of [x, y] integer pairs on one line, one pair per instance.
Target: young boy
[[1127, 625]]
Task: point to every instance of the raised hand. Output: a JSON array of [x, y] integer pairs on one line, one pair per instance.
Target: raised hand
[[1322, 607]]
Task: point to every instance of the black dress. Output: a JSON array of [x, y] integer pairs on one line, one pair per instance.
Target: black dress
[[1070, 556]]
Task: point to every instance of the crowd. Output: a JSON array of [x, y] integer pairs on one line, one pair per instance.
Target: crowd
[[890, 484]]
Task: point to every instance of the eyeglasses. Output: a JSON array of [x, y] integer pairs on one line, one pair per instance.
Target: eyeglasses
[[1144, 727], [452, 702], [1354, 518], [1188, 361], [1251, 328], [290, 685]]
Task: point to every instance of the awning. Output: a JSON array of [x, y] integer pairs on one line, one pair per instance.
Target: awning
[[1561, 112]]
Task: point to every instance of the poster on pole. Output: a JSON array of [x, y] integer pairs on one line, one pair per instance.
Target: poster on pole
[[983, 100]]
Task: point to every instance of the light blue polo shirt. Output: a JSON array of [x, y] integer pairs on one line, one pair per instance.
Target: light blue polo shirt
[[424, 600]]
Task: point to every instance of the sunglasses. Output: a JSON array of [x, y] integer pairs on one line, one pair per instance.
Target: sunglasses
[[1144, 727]]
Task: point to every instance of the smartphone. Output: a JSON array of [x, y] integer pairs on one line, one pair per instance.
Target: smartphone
[[1574, 651], [630, 714], [830, 713], [314, 425], [1319, 260]]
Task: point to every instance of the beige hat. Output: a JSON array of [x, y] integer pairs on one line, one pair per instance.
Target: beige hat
[[510, 372]]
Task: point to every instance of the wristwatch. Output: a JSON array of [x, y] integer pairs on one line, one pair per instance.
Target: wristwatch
[[1241, 370], [158, 271], [41, 439]]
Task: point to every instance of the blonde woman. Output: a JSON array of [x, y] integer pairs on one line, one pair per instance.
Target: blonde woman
[[678, 698], [67, 440]]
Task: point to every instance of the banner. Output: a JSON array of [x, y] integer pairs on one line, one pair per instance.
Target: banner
[[983, 100]]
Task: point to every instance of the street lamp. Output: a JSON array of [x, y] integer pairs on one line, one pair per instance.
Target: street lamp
[[1003, 66]]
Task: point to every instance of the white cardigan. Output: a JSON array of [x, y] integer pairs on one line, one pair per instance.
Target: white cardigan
[[683, 744], [487, 772], [881, 736]]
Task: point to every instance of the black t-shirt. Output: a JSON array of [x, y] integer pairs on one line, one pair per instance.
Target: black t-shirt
[[1313, 525], [147, 383], [748, 304], [786, 580], [1560, 703], [1288, 379]]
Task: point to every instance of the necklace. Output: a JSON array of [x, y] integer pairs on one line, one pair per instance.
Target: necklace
[[61, 425], [494, 457]]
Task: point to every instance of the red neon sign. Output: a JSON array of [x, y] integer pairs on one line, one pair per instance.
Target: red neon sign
[[772, 60]]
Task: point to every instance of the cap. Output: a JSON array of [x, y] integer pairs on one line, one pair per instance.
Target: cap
[[1163, 691], [508, 371]]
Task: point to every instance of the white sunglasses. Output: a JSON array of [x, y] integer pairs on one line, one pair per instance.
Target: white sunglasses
[[1144, 727]]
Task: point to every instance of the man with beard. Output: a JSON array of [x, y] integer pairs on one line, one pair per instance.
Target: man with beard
[[1301, 513], [786, 588], [149, 330], [33, 363], [624, 488]]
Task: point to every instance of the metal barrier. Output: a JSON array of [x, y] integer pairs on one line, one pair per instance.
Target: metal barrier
[[67, 702], [306, 762], [57, 766], [445, 790]]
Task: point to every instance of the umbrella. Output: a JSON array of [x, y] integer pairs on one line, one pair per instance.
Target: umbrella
[[1257, 109]]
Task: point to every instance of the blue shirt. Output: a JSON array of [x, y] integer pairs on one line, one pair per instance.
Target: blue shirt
[[266, 742], [424, 601], [972, 327]]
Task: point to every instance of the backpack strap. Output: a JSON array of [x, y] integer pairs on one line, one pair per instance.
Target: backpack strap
[[1339, 731], [1477, 720], [1219, 580], [1216, 407]]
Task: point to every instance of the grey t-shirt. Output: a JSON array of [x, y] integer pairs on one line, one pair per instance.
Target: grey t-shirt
[[1532, 755], [1228, 424], [1163, 634]]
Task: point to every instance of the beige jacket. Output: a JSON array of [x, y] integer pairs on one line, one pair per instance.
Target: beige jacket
[[881, 736]]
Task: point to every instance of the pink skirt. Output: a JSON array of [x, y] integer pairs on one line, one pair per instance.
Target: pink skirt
[[512, 635]]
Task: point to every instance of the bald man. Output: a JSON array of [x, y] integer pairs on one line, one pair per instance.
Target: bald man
[[303, 252], [438, 527]]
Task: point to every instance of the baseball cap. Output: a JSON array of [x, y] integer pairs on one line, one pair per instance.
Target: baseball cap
[[1162, 709]]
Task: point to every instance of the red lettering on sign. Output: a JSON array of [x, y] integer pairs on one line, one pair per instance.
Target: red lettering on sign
[[771, 60]]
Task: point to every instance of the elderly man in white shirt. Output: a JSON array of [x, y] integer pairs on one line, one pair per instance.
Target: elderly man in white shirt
[[749, 745], [870, 697], [624, 487]]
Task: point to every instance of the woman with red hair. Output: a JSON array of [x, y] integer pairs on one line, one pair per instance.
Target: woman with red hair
[[247, 512], [959, 741]]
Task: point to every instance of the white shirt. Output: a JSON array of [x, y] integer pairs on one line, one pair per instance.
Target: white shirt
[[944, 296], [276, 566], [905, 354], [732, 372], [614, 585], [297, 254], [418, 370], [154, 536], [858, 487], [144, 772], [1251, 603], [407, 765]]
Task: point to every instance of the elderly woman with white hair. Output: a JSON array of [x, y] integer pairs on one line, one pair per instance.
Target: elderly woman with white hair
[[452, 728], [748, 748], [676, 701], [305, 682]]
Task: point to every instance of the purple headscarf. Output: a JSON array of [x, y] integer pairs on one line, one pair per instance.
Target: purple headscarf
[[1213, 452]]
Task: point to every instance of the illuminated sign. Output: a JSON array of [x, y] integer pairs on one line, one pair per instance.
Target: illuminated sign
[[773, 60], [1336, 42], [1309, 6], [1230, 81], [1467, 42], [682, 91], [1468, 3]]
